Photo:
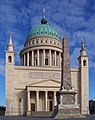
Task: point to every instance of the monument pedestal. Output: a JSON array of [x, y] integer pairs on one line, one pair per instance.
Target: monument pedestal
[[67, 108], [68, 111]]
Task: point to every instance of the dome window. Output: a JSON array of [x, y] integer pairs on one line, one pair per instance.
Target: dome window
[[37, 32], [46, 61], [33, 42], [37, 41], [41, 32], [50, 32], [46, 32]]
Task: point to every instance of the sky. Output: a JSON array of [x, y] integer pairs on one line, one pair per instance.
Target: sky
[[72, 18]]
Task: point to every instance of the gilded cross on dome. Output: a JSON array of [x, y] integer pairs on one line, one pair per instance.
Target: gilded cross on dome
[[43, 13]]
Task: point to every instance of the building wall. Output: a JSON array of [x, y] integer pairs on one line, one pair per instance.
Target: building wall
[[24, 76], [19, 81]]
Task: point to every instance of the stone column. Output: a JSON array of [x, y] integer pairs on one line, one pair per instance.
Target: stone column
[[37, 100], [55, 57], [24, 59], [60, 59], [55, 101], [43, 57], [32, 57], [38, 57], [46, 92], [27, 58], [28, 101], [50, 57]]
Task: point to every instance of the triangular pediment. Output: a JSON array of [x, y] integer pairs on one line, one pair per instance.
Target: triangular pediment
[[46, 83]]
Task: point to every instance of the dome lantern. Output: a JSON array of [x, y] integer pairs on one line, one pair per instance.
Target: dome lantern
[[43, 21]]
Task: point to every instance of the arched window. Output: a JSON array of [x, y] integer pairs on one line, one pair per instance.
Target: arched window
[[84, 63], [10, 59]]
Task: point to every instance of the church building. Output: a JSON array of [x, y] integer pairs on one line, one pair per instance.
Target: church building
[[32, 86]]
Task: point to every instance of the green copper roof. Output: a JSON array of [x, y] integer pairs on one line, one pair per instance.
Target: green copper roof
[[43, 30]]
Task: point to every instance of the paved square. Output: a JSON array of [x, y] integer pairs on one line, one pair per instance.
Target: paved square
[[88, 117]]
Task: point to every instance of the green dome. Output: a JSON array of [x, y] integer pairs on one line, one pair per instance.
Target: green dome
[[43, 30]]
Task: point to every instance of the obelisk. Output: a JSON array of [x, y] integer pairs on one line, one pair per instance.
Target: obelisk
[[66, 105], [65, 66]]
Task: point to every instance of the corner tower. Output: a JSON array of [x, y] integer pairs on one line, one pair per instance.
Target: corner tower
[[9, 78], [84, 91]]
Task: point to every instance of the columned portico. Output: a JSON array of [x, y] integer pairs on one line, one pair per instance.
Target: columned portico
[[47, 57], [42, 100]]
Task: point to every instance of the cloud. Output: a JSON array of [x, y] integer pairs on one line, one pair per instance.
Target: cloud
[[70, 19], [73, 58], [2, 67]]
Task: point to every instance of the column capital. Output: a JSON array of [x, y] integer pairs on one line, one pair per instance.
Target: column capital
[[46, 91], [28, 90], [37, 91], [54, 91]]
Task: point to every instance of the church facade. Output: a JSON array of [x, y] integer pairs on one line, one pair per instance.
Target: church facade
[[32, 86]]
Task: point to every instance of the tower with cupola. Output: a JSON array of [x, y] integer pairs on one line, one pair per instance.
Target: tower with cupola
[[9, 77], [84, 88]]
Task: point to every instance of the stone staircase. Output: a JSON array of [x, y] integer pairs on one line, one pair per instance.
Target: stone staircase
[[42, 113]]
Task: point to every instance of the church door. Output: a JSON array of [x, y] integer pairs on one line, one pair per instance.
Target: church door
[[50, 105], [32, 106]]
